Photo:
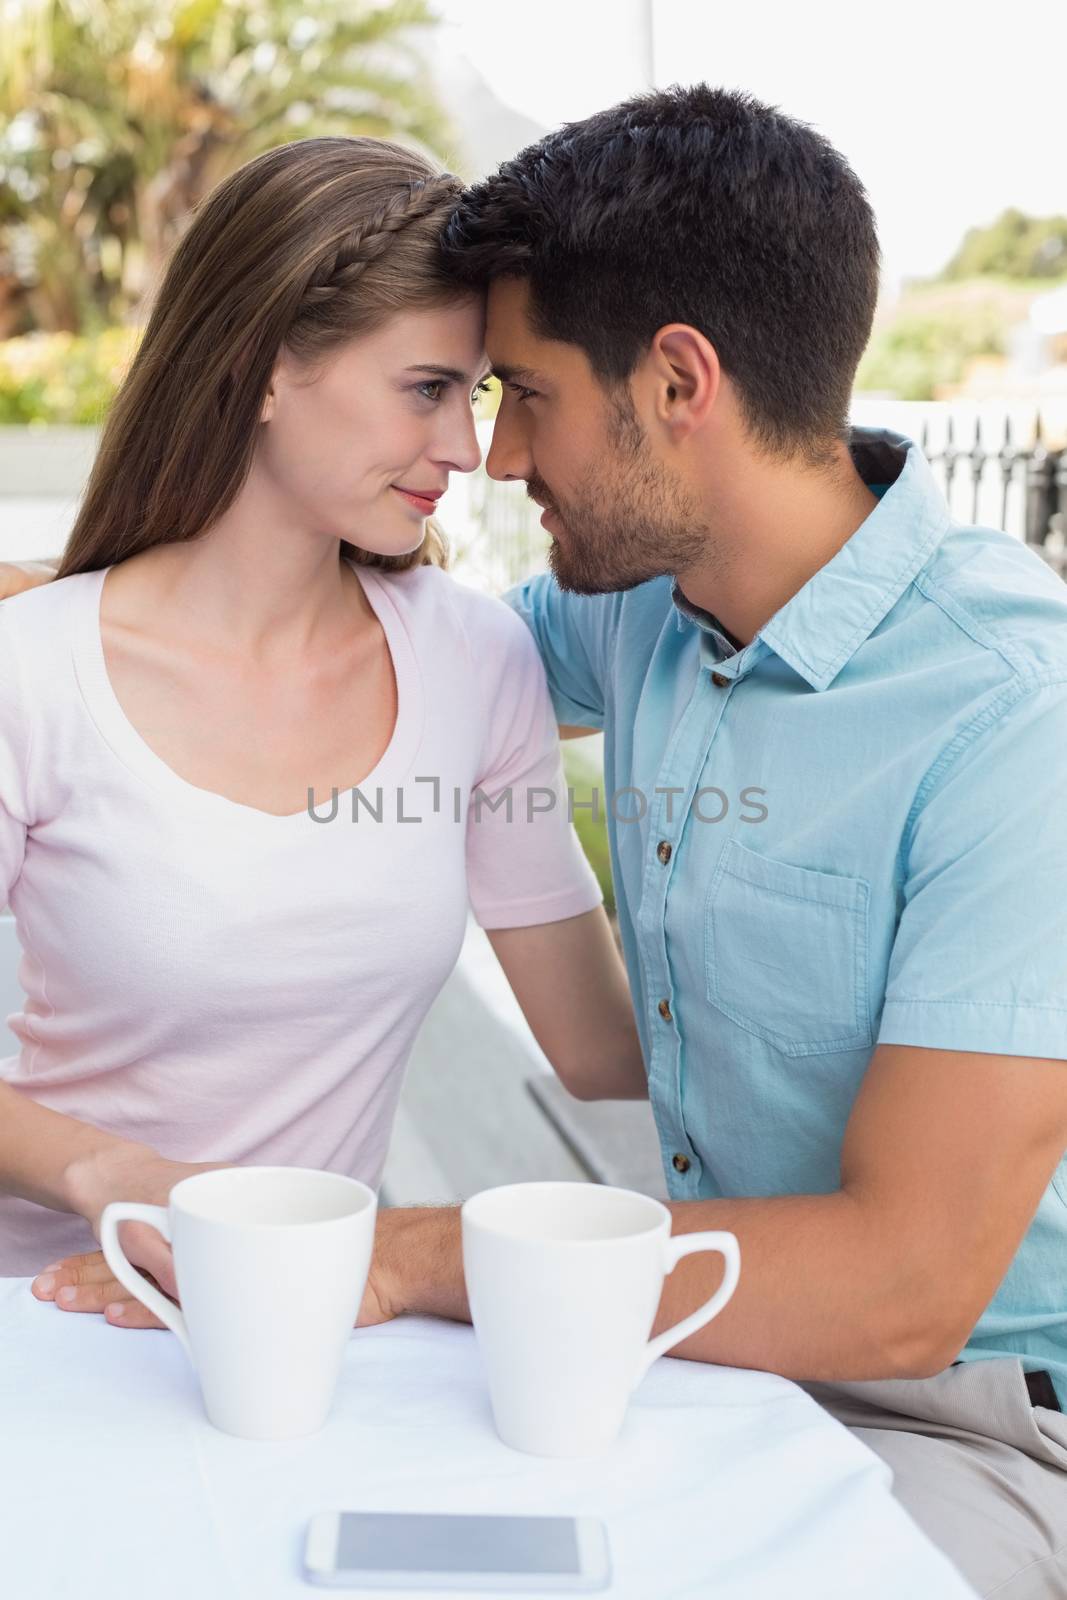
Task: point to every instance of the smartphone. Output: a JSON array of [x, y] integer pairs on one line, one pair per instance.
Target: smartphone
[[402, 1550]]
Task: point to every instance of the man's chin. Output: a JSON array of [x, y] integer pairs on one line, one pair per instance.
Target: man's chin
[[572, 581], [575, 578]]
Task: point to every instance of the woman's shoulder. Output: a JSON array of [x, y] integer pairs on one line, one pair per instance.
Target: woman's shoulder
[[433, 597], [38, 627], [46, 601], [37, 680]]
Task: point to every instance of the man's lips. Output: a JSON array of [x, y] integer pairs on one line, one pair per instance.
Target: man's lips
[[424, 500], [547, 511]]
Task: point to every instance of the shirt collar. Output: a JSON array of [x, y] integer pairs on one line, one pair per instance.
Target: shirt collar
[[825, 622]]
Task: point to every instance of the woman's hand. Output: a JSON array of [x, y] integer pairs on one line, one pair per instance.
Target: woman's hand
[[121, 1171]]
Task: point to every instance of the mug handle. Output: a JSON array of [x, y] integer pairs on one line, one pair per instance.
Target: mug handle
[[686, 1244], [157, 1217]]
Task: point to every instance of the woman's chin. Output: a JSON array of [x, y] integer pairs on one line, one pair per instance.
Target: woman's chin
[[391, 547]]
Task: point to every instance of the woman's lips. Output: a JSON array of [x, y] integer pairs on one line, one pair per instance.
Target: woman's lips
[[425, 504]]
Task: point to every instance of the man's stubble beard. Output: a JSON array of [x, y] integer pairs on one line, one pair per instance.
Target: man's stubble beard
[[631, 520]]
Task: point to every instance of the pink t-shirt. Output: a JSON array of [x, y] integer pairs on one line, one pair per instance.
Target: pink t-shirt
[[226, 985]]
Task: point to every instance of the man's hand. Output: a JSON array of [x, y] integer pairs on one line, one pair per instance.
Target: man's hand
[[15, 576], [410, 1247], [86, 1283]]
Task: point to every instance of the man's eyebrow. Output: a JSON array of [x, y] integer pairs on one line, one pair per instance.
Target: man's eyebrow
[[524, 376]]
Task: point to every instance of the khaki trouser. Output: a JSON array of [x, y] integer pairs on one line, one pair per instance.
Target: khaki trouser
[[979, 1467]]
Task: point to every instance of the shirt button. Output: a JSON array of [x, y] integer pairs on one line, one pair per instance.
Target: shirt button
[[719, 680], [665, 1011], [680, 1163], [663, 850]]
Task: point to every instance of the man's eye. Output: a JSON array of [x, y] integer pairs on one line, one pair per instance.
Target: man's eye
[[521, 393]]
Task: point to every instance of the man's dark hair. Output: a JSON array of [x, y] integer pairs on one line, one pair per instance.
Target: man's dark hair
[[692, 205]]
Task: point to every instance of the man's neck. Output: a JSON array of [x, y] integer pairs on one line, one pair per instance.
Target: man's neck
[[774, 527]]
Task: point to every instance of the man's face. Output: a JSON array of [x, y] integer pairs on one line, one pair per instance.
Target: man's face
[[618, 514]]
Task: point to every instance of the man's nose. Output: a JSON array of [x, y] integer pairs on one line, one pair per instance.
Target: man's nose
[[508, 456]]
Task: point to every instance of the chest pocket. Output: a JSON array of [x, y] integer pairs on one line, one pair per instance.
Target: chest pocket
[[786, 952]]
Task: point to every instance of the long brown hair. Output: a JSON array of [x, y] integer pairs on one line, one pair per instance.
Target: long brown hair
[[306, 246]]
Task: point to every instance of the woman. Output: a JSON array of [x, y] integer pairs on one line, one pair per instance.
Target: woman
[[257, 749]]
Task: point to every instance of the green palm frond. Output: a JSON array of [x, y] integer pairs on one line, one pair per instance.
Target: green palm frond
[[118, 115]]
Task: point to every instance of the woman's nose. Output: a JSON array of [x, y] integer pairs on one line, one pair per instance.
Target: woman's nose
[[461, 449]]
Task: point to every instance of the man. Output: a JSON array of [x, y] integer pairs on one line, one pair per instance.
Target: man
[[843, 891], [840, 867]]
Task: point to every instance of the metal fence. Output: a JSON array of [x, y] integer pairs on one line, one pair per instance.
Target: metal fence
[[1021, 488]]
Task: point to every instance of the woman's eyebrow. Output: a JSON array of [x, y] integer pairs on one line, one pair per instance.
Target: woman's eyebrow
[[446, 374]]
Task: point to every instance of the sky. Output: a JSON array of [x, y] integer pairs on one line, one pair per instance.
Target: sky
[[948, 112]]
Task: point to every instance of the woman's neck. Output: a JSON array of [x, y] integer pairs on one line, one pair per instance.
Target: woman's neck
[[248, 587]]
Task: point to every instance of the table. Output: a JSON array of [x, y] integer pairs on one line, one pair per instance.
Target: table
[[726, 1484]]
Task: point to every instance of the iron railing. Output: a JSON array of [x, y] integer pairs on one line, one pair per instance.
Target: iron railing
[[1029, 483]]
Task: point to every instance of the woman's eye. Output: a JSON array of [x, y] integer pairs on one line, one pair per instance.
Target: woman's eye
[[436, 384], [478, 390]]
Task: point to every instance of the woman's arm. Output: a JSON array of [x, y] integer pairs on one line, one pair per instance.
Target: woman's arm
[[41, 1149], [68, 1165], [570, 981]]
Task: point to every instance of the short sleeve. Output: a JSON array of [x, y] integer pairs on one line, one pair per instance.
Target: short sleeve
[[979, 961], [569, 631], [14, 755], [525, 864]]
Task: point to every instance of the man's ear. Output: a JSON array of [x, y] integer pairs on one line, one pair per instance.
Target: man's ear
[[685, 368]]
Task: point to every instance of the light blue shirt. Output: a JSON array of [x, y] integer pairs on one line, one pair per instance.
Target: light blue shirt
[[851, 831]]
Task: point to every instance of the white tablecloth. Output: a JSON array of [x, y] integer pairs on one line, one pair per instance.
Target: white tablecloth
[[725, 1484]]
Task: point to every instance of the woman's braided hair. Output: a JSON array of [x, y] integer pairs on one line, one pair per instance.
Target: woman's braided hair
[[305, 247], [362, 248]]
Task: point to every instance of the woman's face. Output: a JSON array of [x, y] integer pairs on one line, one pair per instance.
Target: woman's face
[[362, 449]]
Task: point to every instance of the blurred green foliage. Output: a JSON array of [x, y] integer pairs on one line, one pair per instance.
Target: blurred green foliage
[[116, 118], [1014, 246], [62, 377], [924, 347]]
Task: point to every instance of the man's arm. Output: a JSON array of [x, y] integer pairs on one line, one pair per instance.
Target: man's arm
[[945, 1159], [573, 635], [570, 981], [15, 576]]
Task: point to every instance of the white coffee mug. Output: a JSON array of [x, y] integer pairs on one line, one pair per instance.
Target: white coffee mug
[[564, 1280], [271, 1264]]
